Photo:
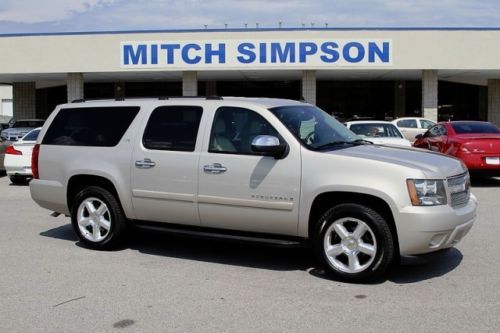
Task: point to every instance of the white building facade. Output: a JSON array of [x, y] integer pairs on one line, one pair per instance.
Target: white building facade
[[377, 73]]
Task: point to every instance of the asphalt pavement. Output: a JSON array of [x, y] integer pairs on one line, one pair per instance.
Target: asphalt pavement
[[162, 283]]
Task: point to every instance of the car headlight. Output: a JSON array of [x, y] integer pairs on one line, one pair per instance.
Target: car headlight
[[427, 192]]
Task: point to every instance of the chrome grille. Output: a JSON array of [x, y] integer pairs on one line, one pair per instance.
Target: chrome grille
[[459, 187]]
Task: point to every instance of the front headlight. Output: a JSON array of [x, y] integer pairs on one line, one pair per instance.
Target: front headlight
[[427, 192]]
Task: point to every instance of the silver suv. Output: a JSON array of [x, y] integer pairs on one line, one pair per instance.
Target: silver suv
[[266, 170]]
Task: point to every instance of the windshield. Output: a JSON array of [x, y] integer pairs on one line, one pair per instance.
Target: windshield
[[28, 123], [313, 127], [376, 130]]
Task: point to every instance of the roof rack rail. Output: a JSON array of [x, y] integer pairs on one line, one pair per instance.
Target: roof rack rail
[[200, 97], [83, 100]]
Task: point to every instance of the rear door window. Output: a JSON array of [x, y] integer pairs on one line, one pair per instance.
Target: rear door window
[[93, 126], [173, 128], [407, 123]]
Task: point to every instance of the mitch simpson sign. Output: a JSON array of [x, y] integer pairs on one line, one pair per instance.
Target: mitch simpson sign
[[257, 53]]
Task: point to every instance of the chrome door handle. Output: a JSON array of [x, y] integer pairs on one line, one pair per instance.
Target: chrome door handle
[[215, 168], [145, 164]]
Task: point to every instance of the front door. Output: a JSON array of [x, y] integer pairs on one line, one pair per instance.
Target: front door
[[243, 190], [165, 166]]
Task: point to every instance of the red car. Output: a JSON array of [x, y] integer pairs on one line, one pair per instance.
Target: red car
[[477, 143]]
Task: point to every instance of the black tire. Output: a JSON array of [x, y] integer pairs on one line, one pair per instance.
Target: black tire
[[18, 180], [116, 234], [383, 241]]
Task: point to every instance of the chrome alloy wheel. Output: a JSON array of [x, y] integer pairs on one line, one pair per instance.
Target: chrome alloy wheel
[[350, 245], [94, 219]]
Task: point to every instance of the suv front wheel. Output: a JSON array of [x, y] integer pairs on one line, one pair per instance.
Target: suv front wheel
[[353, 242], [98, 219]]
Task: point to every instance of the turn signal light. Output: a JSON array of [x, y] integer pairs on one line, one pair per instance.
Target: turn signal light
[[12, 151]]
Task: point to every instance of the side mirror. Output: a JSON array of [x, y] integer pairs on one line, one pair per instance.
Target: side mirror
[[268, 145], [419, 136]]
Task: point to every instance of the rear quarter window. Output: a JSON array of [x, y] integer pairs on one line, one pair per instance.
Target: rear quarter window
[[95, 126], [31, 136]]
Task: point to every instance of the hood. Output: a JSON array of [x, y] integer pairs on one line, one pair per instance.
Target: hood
[[434, 165], [18, 129]]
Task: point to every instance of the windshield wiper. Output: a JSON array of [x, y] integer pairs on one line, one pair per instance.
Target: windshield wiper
[[333, 144], [362, 142], [343, 143]]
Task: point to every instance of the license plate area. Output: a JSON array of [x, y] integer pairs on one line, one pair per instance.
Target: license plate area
[[492, 160]]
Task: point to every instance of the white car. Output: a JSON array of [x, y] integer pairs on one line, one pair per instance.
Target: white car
[[413, 126], [18, 157], [378, 132]]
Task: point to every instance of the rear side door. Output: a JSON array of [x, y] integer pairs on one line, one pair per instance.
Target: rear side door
[[409, 128], [243, 190], [165, 165]]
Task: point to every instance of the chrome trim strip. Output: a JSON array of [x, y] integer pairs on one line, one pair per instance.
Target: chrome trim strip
[[163, 195], [280, 205]]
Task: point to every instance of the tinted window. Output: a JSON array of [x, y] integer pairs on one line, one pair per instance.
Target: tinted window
[[464, 128], [376, 130], [437, 130], [173, 128], [409, 123], [28, 123], [234, 129], [426, 123], [98, 126], [31, 136]]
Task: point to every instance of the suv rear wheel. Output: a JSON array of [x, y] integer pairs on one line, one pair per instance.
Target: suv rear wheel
[[98, 219], [353, 242]]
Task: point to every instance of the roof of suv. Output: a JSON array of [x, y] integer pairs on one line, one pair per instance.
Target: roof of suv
[[265, 102]]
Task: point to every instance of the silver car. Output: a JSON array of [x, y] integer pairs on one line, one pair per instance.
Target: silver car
[[20, 128], [264, 170]]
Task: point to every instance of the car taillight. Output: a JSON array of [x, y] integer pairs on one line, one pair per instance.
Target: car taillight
[[12, 151], [34, 161]]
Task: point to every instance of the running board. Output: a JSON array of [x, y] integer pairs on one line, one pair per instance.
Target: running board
[[265, 239]]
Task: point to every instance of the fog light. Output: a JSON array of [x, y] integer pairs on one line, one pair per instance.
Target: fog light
[[437, 240]]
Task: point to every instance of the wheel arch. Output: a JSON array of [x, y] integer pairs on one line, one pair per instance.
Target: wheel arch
[[78, 182], [326, 200]]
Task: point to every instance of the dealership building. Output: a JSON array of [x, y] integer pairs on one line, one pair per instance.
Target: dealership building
[[379, 73]]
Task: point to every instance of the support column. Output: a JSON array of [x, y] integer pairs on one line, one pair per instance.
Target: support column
[[309, 86], [74, 84], [430, 94], [399, 99], [24, 100], [211, 88], [190, 83], [494, 101]]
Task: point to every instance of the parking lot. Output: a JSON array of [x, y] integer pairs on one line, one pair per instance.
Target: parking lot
[[49, 283]]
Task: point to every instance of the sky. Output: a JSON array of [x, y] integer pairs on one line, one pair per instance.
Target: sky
[[38, 16]]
